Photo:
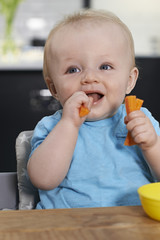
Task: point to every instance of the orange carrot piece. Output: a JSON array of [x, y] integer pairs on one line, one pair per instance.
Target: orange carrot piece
[[129, 140], [132, 104], [139, 103], [83, 111]]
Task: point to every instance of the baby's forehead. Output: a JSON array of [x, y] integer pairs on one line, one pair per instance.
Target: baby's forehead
[[85, 24], [80, 28]]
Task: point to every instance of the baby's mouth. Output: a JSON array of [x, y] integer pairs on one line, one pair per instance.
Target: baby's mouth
[[96, 96]]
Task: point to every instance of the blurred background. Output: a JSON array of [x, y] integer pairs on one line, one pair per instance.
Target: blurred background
[[24, 27]]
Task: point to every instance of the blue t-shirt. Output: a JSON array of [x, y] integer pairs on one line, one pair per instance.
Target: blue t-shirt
[[103, 172]]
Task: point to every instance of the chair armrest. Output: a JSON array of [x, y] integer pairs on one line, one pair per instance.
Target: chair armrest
[[8, 190]]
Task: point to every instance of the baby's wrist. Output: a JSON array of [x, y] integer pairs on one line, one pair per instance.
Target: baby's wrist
[[70, 123]]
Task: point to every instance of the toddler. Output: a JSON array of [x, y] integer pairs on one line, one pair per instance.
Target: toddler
[[82, 161]]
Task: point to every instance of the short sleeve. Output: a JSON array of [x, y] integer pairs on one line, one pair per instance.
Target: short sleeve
[[43, 128]]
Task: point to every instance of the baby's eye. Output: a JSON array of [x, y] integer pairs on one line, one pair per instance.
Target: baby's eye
[[105, 67], [73, 70]]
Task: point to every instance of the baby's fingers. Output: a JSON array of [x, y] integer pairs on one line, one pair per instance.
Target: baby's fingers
[[135, 122], [140, 137], [142, 131], [138, 131], [135, 114]]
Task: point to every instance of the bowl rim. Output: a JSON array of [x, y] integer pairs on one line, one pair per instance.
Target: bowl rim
[[144, 195]]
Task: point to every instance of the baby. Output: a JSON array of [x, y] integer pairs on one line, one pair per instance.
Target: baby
[[82, 161]]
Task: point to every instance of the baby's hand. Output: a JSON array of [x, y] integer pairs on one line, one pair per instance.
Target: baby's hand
[[71, 108], [142, 130]]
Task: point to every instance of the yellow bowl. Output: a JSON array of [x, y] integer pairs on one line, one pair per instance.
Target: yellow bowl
[[150, 198]]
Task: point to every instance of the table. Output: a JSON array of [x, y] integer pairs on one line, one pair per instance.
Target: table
[[110, 223]]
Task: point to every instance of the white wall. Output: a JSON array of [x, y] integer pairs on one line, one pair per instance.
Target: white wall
[[143, 19]]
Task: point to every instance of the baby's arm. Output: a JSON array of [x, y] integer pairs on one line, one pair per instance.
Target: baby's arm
[[50, 162], [146, 137]]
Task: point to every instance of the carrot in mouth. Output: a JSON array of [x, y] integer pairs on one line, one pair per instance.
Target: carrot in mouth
[[83, 111], [132, 104]]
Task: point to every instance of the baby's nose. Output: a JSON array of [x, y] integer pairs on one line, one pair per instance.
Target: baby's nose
[[89, 76]]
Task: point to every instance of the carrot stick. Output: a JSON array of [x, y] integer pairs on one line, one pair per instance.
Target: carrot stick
[[132, 104], [139, 104], [83, 111]]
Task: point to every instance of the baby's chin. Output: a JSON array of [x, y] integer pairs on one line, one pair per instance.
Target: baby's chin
[[97, 117]]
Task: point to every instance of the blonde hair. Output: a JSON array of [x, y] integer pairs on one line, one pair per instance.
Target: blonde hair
[[84, 16]]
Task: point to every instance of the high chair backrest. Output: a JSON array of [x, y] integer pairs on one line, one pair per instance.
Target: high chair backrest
[[28, 194]]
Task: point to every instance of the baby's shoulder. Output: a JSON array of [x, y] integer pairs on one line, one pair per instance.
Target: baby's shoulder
[[48, 122], [51, 118]]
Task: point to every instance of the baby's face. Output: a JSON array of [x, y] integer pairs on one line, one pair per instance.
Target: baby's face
[[95, 59]]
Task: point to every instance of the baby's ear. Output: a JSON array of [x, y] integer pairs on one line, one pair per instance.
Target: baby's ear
[[51, 87], [132, 79]]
